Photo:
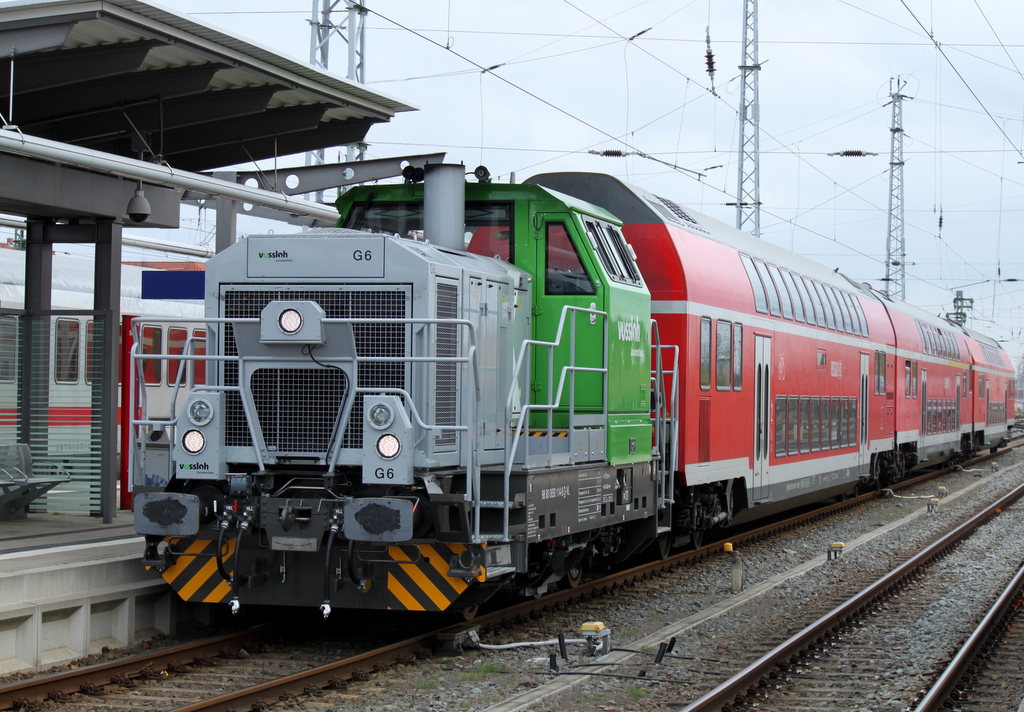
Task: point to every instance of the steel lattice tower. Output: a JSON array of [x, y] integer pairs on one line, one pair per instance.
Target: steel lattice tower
[[895, 246], [748, 191], [353, 32]]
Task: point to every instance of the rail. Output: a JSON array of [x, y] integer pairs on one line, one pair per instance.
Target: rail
[[751, 677]]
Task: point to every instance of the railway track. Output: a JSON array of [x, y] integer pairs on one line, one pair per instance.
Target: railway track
[[138, 680], [864, 648], [984, 675]]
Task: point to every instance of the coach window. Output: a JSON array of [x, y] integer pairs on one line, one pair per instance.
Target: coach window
[[830, 316], [825, 423], [565, 273], [760, 296], [853, 422], [66, 348], [981, 386], [152, 343], [805, 424], [801, 287], [798, 307], [863, 318], [906, 379], [8, 348], [879, 373], [176, 338], [199, 349], [793, 417], [822, 358], [842, 319], [787, 303], [849, 299], [913, 380], [835, 423], [769, 286], [815, 423], [737, 357], [723, 356], [780, 426], [92, 365], [705, 353], [819, 309]]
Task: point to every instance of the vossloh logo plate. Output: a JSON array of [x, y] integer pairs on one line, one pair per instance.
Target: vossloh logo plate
[[316, 257]]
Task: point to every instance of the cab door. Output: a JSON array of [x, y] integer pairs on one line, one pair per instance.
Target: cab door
[[566, 276]]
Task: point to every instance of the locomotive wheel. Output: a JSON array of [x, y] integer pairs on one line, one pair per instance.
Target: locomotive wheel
[[664, 544], [573, 576], [468, 614]]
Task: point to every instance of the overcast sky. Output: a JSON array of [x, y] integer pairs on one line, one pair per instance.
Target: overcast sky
[[564, 77]]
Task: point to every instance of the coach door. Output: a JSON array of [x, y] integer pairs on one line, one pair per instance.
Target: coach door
[[761, 485], [864, 459]]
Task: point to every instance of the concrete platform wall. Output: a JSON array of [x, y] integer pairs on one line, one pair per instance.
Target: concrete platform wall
[[63, 603]]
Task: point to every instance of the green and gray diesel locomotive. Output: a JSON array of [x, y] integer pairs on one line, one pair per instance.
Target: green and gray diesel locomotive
[[455, 392]]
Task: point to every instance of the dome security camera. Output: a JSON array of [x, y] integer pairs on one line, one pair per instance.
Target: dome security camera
[[138, 209]]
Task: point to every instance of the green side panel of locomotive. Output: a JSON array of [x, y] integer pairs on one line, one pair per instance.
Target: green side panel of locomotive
[[577, 257]]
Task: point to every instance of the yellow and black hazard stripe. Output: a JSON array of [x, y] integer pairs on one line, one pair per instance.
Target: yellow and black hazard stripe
[[554, 434], [424, 585], [194, 575]]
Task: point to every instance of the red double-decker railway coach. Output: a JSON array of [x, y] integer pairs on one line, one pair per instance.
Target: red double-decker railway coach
[[991, 386], [796, 382]]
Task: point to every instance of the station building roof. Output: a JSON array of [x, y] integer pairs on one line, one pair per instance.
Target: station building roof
[[132, 78]]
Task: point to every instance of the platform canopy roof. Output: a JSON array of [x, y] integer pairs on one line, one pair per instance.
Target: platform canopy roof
[[124, 77]]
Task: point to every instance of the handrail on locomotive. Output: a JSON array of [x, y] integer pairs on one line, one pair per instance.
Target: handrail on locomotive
[[664, 445]]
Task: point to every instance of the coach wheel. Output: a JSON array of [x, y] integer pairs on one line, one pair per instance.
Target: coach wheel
[[696, 538]]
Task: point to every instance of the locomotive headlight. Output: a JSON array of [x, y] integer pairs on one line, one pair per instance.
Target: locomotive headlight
[[380, 416], [193, 441], [290, 321], [200, 412], [388, 446]]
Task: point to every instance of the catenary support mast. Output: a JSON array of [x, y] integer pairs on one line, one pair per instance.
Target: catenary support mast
[[353, 32], [748, 192], [895, 247]]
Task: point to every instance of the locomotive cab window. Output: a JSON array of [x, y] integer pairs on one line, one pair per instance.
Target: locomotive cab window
[[488, 224], [612, 250], [564, 273]]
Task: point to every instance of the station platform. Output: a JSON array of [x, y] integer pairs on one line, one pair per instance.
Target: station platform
[[71, 586]]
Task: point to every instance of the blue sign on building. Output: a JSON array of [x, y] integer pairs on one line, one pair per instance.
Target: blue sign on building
[[173, 285]]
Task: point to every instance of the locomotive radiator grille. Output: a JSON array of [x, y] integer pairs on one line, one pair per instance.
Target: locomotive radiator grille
[[446, 374], [372, 340], [298, 407]]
